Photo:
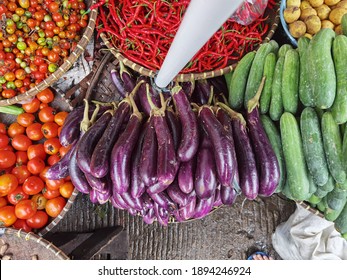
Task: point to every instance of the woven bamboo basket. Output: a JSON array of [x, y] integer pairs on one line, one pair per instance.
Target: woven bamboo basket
[[74, 55], [19, 245], [273, 21]]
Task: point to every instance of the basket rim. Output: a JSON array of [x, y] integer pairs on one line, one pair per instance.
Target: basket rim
[[53, 77], [19, 233], [185, 77]]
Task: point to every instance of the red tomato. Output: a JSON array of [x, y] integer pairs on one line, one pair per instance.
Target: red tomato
[[21, 142], [50, 130], [8, 183], [36, 165], [15, 129], [53, 159], [3, 201], [32, 107], [49, 194], [40, 201], [54, 206], [36, 150], [7, 216], [17, 195], [25, 119], [54, 184], [21, 172], [34, 132], [33, 185], [22, 157], [22, 224], [4, 140], [60, 117], [39, 220], [7, 159], [25, 209], [47, 114], [52, 146], [66, 189], [45, 96], [3, 128]]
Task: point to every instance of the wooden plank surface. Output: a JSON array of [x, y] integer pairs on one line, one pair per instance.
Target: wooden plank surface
[[228, 233]]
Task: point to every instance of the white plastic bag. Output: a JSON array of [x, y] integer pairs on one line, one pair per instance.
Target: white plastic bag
[[249, 11]]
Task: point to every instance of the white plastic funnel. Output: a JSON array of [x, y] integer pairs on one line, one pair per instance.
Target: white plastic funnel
[[201, 20]]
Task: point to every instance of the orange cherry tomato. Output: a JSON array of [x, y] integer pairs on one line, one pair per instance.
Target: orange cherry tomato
[[36, 165], [66, 189], [21, 142], [54, 206], [33, 185], [32, 107], [60, 117], [15, 129], [63, 150], [52, 146], [7, 216], [25, 119], [45, 96], [50, 130], [54, 184], [34, 132], [25, 209], [36, 150], [40, 201], [8, 183]]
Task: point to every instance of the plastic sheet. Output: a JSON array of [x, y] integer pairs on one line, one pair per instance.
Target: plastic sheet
[[249, 11]]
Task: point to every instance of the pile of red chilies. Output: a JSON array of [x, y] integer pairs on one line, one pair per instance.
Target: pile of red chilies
[[143, 32], [164, 156]]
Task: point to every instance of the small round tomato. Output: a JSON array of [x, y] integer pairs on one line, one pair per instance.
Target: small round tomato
[[8, 183], [55, 205], [36, 165], [50, 130], [54, 184], [17, 195], [25, 119], [53, 159], [47, 114], [7, 159], [32, 107], [21, 142], [39, 220], [4, 140], [22, 157], [33, 185], [63, 150], [66, 189], [25, 209], [15, 129], [40, 201], [22, 224], [3, 128], [36, 150], [52, 146], [21, 172], [3, 201], [60, 117], [7, 216], [45, 96], [34, 132], [49, 194]]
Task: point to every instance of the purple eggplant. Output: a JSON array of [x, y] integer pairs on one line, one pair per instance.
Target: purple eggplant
[[122, 151], [186, 175], [188, 211], [219, 84], [60, 169], [203, 207], [77, 176], [223, 146], [119, 201], [99, 184], [268, 167], [115, 203], [164, 201], [93, 196], [147, 201], [105, 196], [89, 140], [133, 212], [133, 202], [188, 88], [190, 131], [142, 96], [249, 179], [148, 161], [217, 198], [123, 79], [228, 195], [178, 196], [174, 126], [162, 214], [149, 216], [99, 164], [201, 92]]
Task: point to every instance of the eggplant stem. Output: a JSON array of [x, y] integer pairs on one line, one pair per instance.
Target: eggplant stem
[[150, 101], [136, 88], [195, 106], [210, 98], [94, 115], [233, 114], [114, 104], [254, 102], [135, 108], [123, 70], [85, 123]]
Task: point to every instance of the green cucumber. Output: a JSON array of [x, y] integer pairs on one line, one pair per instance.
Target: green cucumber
[[283, 49], [11, 110], [305, 88], [341, 221], [276, 143], [329, 186], [256, 72], [339, 108], [297, 173], [321, 205], [239, 80], [290, 81], [333, 147], [313, 146], [268, 72], [276, 104], [336, 199], [286, 191], [344, 149], [333, 214], [320, 193], [344, 24], [228, 77], [275, 46], [314, 199], [322, 69]]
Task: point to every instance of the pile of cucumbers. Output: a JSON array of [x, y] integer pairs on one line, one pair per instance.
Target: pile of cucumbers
[[304, 113]]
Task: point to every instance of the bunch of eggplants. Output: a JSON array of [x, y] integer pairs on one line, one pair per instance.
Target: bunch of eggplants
[[172, 156]]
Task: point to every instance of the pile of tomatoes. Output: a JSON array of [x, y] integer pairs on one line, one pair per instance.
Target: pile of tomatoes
[[28, 147], [36, 36]]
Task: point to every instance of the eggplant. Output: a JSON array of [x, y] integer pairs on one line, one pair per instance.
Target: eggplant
[[93, 196], [174, 126], [105, 196], [164, 201], [185, 175], [203, 207], [149, 216], [99, 164], [133, 212], [249, 179], [115, 203], [188, 211], [220, 85], [119, 201], [228, 195], [162, 214], [148, 161], [78, 178], [144, 105], [89, 140], [122, 151], [99, 184], [190, 131], [122, 79], [268, 167], [223, 146], [60, 169], [201, 92], [178, 196], [188, 88], [147, 201], [133, 202], [217, 198]]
